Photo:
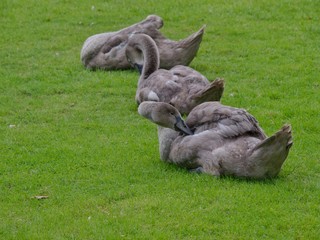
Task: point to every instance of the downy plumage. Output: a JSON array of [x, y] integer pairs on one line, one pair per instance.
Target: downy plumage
[[218, 140], [181, 86], [107, 50]]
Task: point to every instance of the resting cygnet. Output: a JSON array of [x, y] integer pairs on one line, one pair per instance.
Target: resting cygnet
[[218, 140], [181, 86], [107, 50]]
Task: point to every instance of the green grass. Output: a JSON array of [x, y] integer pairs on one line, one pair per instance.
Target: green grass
[[76, 137]]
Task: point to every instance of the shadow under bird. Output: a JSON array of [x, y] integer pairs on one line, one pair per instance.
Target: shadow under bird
[[107, 50], [181, 86], [218, 140]]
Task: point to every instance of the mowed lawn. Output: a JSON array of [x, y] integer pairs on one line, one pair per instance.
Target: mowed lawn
[[75, 137]]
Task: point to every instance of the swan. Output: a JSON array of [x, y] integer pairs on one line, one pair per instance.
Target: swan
[[218, 140], [107, 50], [181, 86]]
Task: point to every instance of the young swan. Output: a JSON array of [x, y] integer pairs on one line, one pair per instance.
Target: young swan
[[107, 50], [226, 141], [181, 86]]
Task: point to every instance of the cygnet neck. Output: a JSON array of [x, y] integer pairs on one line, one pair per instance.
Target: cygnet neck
[[151, 57], [166, 136]]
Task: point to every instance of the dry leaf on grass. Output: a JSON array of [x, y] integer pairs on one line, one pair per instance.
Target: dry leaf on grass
[[41, 197]]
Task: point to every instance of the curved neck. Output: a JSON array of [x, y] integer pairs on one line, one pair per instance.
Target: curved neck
[[146, 46], [166, 137]]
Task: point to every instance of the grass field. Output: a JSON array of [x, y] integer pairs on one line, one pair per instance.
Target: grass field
[[75, 136]]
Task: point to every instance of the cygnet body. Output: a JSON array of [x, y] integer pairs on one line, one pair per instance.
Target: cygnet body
[[107, 50], [224, 141], [181, 86]]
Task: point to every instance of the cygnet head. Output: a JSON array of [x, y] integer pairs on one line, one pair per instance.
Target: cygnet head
[[165, 115], [135, 57]]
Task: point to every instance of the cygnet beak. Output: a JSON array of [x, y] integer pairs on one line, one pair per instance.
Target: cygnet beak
[[138, 67], [181, 126]]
